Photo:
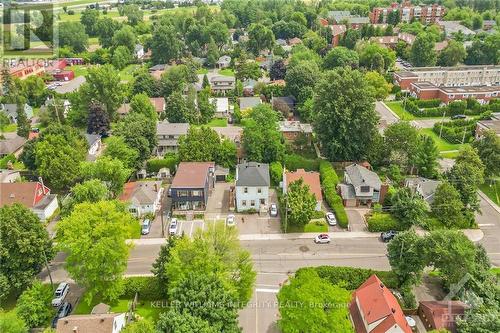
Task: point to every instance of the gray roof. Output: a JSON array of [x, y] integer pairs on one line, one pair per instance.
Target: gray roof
[[361, 176], [249, 102], [145, 193], [253, 174], [11, 143], [166, 128], [347, 191], [423, 186], [222, 78]]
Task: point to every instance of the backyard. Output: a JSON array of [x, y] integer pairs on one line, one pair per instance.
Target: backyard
[[442, 145]]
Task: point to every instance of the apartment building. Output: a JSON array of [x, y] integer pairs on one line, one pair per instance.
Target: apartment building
[[407, 12], [426, 90]]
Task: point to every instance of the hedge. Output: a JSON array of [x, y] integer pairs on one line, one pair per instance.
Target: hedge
[[351, 278], [382, 222], [170, 162], [428, 103], [148, 288], [329, 181], [276, 172], [453, 131], [294, 162], [452, 109], [4, 161]]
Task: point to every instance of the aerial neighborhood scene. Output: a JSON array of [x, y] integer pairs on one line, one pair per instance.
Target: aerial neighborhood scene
[[253, 166]]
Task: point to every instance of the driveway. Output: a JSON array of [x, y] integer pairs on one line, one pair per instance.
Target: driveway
[[218, 201], [387, 117], [426, 123], [356, 217], [155, 231]]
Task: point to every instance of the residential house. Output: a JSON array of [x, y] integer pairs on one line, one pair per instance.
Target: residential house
[[427, 90], [222, 107], [292, 129], [294, 41], [492, 124], [92, 323], [168, 135], [247, 103], [489, 24], [252, 186], [95, 144], [441, 315], [139, 51], [310, 178], [157, 70], [11, 111], [343, 16], [452, 27], [361, 187], [159, 104], [426, 188], [144, 197], [32, 195], [11, 144], [338, 31], [192, 185], [9, 176], [374, 309], [222, 84], [248, 87], [223, 62]]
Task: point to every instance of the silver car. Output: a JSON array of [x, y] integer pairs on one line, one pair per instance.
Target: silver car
[[172, 229], [330, 218], [273, 211]]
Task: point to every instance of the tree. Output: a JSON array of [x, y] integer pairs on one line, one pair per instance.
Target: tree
[[133, 13], [33, 306], [393, 17], [422, 51], [140, 326], [111, 171], [301, 203], [341, 56], [94, 237], [227, 154], [125, 37], [350, 38], [176, 79], [401, 144], [277, 70], [200, 144], [375, 57], [447, 206], [175, 322], [488, 148], [106, 28], [93, 190], [378, 86], [342, 107], [4, 121], [300, 80], [121, 57], [89, 19], [205, 84], [98, 120], [206, 108], [259, 38], [139, 133], [23, 124], [176, 108], [116, 148], [426, 159], [212, 53], [73, 34], [144, 83], [219, 33], [159, 266], [23, 244], [407, 257], [58, 157], [466, 175], [247, 70], [261, 139], [452, 54], [480, 319], [166, 44], [10, 322], [35, 91], [140, 103], [408, 207], [298, 313], [314, 41]]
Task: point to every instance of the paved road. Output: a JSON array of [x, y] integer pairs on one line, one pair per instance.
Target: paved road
[[387, 117], [489, 222]]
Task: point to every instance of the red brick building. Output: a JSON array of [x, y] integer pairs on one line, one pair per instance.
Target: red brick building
[[408, 12], [338, 31], [427, 90], [437, 315]]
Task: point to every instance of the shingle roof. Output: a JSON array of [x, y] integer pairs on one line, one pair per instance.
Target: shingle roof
[[192, 174], [166, 128], [310, 178], [249, 102], [253, 174], [92, 138], [102, 323], [360, 176], [22, 193], [141, 193], [11, 144]]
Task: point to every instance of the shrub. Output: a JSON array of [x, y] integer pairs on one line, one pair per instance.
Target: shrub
[[338, 208], [329, 181], [453, 131], [4, 161], [428, 103], [148, 287], [351, 278], [276, 171], [382, 222], [294, 162], [318, 214], [408, 298], [33, 306], [328, 174], [170, 161]]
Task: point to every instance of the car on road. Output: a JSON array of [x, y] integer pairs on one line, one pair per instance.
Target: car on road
[[330, 218], [63, 311], [230, 220], [172, 229], [458, 116], [322, 239], [60, 294], [388, 235], [273, 210], [146, 227]]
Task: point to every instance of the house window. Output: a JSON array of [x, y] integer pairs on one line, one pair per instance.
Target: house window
[[197, 193], [252, 203], [245, 190], [243, 202], [262, 201], [259, 190], [182, 193]]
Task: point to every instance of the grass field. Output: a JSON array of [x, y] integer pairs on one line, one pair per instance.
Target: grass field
[[202, 71], [217, 122], [441, 144], [492, 190], [318, 225], [397, 108], [10, 128], [226, 72]]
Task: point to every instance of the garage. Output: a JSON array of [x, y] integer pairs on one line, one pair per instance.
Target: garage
[[221, 174]]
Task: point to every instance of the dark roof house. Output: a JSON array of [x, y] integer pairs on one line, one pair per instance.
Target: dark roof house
[[252, 174]]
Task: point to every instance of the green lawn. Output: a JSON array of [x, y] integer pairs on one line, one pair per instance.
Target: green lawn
[[226, 72], [397, 108], [317, 225], [492, 190], [127, 74], [10, 128], [441, 144], [202, 71], [80, 70], [217, 122]]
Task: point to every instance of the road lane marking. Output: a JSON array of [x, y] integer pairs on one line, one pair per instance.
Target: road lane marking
[[485, 224], [267, 290]]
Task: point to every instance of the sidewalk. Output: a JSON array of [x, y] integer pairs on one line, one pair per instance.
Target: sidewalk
[[488, 200]]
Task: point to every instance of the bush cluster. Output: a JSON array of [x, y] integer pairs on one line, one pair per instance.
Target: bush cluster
[[379, 222], [148, 288], [329, 181], [170, 162], [453, 131], [429, 108]]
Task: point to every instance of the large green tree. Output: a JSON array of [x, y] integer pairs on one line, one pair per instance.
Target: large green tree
[[140, 103], [89, 19], [408, 207], [301, 203], [378, 86], [34, 307], [340, 56], [93, 190], [94, 237], [447, 206], [177, 109], [176, 322], [301, 79], [401, 144], [452, 54], [260, 38], [407, 257], [488, 148], [117, 148], [110, 171], [10, 322], [422, 51], [73, 34], [342, 108], [166, 44], [426, 159]]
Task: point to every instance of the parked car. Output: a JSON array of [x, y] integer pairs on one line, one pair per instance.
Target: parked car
[[230, 220], [146, 227], [273, 211], [172, 229], [458, 116], [322, 239], [330, 218], [388, 235], [60, 294], [63, 311]]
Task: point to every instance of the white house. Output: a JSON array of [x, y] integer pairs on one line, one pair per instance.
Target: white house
[[222, 107], [139, 51], [252, 186], [144, 197], [94, 141], [92, 323], [11, 111], [223, 62]]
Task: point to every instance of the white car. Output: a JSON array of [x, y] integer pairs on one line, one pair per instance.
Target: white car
[[172, 229], [330, 218], [60, 294], [273, 211], [322, 239], [230, 220]]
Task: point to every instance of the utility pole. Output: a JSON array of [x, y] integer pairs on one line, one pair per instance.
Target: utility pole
[[286, 212], [48, 268], [442, 122], [463, 137]]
